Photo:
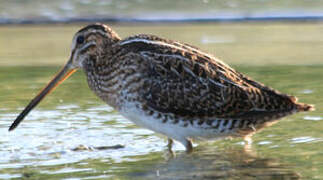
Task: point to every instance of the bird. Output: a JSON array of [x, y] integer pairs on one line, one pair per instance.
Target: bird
[[170, 87]]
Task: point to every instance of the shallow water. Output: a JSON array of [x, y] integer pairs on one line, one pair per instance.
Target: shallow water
[[48, 144]]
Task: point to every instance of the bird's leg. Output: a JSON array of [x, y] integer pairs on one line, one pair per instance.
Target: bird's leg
[[248, 149], [248, 139], [170, 144], [248, 142], [188, 145]]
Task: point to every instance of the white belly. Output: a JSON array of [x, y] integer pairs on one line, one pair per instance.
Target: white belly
[[175, 131]]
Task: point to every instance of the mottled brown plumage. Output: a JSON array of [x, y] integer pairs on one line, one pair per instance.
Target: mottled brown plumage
[[174, 88]]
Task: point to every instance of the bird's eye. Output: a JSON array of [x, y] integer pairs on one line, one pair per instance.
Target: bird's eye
[[80, 39]]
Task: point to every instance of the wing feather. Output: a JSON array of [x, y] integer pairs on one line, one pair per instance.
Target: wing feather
[[183, 80]]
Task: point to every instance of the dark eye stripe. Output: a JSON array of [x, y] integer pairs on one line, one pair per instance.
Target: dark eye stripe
[[80, 39]]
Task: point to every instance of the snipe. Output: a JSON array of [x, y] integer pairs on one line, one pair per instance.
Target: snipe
[[171, 88]]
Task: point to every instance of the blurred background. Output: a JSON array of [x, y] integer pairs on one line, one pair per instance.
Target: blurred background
[[278, 43], [35, 11]]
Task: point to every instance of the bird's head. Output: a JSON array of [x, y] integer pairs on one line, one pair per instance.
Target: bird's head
[[93, 40]]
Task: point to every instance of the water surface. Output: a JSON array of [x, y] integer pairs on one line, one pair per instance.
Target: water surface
[[287, 57]]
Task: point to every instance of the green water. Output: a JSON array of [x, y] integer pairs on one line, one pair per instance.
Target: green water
[[287, 57]]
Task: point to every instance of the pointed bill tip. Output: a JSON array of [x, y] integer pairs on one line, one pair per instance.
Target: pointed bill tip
[[20, 118], [59, 78], [12, 127]]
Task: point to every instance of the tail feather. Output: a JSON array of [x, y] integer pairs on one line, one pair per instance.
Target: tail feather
[[301, 106], [304, 107]]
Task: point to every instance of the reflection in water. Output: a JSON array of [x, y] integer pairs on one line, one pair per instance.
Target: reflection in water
[[313, 118], [217, 164]]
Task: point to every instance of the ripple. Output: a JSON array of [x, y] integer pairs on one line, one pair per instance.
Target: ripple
[[304, 139], [307, 91], [313, 118], [9, 176], [47, 139], [264, 142], [67, 170], [68, 106], [104, 108], [98, 177]]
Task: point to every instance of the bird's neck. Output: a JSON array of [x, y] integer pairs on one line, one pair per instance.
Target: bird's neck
[[102, 79]]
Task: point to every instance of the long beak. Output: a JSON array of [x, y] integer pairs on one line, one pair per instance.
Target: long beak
[[59, 78]]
